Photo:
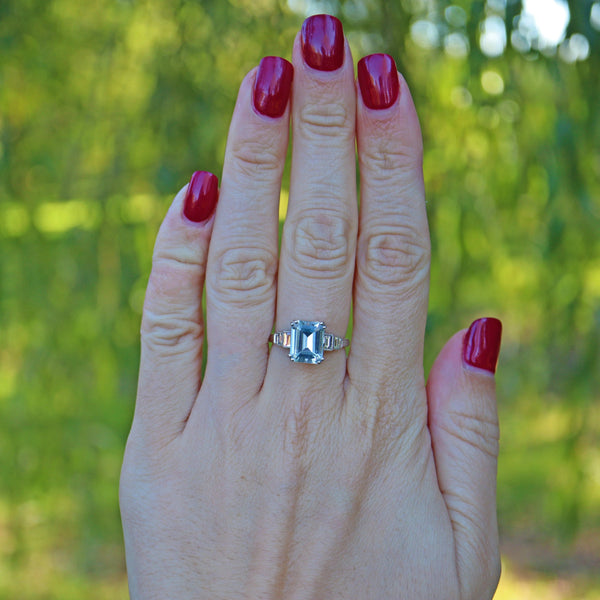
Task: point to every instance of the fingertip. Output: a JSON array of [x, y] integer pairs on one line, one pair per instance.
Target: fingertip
[[179, 234], [263, 96], [306, 69], [481, 345], [201, 197], [323, 42], [465, 367], [378, 81], [181, 246], [386, 114], [475, 350], [272, 86]]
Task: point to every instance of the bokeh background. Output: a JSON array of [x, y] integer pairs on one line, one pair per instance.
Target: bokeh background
[[107, 107]]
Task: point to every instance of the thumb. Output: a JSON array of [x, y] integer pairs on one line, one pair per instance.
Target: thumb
[[463, 423]]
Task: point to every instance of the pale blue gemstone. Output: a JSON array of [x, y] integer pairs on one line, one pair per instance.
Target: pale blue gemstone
[[306, 341]]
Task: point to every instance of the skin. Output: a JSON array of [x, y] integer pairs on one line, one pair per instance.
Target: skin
[[267, 479]]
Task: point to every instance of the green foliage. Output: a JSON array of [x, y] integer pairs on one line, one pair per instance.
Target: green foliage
[[105, 110]]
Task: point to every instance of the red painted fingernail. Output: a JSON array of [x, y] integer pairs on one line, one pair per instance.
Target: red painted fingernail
[[201, 196], [272, 86], [481, 345], [323, 42], [378, 80]]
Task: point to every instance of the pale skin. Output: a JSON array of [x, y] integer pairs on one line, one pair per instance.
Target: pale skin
[[266, 479]]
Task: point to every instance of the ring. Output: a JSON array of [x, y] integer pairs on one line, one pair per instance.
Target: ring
[[307, 341]]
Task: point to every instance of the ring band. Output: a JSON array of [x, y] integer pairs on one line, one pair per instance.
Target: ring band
[[307, 340]]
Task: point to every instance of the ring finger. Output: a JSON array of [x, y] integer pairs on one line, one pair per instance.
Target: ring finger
[[317, 255]]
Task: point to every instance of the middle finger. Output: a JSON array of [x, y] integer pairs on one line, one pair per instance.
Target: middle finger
[[316, 264]]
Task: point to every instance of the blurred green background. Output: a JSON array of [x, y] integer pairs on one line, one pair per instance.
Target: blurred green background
[[107, 107]]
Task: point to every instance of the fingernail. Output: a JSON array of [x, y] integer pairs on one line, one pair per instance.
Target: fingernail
[[323, 42], [378, 80], [201, 196], [482, 344], [272, 86]]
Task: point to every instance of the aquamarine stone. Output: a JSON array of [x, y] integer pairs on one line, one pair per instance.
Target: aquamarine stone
[[306, 341]]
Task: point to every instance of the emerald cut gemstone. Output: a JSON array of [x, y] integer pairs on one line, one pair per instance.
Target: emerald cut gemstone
[[306, 341]]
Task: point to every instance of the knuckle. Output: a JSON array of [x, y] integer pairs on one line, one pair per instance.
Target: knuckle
[[173, 275], [391, 417], [244, 274], [305, 420], [328, 119], [389, 157], [170, 319], [385, 415], [175, 256], [397, 256], [320, 244], [297, 427], [175, 331], [256, 158], [479, 432]]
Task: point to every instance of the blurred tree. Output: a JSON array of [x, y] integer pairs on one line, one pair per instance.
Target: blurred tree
[[105, 110]]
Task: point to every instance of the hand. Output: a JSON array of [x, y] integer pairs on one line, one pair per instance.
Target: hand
[[273, 479]]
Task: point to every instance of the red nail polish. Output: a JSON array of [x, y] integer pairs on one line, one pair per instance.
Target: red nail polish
[[481, 345], [378, 80], [201, 196], [323, 42], [272, 86]]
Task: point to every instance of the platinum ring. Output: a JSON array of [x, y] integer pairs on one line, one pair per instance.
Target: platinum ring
[[307, 340]]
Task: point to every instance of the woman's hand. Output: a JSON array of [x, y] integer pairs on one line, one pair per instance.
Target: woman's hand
[[275, 479]]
